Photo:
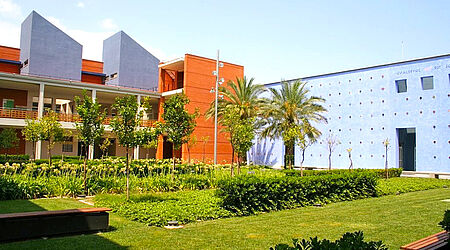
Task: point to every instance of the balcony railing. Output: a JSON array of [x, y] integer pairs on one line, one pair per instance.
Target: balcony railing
[[20, 113]]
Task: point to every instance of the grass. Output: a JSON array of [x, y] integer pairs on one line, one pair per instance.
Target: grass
[[395, 219]]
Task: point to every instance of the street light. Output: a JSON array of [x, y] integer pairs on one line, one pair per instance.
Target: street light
[[216, 92]]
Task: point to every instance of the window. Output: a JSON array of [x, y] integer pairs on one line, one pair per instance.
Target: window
[[401, 86], [47, 103], [8, 103], [67, 147], [427, 82]]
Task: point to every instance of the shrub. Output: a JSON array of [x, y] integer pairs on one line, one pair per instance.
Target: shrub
[[251, 194], [445, 223], [14, 158], [156, 209], [348, 241], [405, 185], [23, 188], [381, 173]]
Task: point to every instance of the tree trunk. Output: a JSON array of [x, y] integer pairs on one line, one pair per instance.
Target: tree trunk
[[232, 161], [238, 165], [128, 176], [34, 150], [351, 162], [86, 154], [189, 154], [386, 165], [49, 153], [329, 161], [204, 151], [173, 164], [301, 163]]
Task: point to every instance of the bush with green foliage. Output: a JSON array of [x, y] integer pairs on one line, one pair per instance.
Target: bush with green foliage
[[251, 194], [445, 223], [348, 241], [156, 209], [393, 172], [14, 158], [405, 185]]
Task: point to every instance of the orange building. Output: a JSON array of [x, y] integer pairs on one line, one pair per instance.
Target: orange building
[[194, 76]]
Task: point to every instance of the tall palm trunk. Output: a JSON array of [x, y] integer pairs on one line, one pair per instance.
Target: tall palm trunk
[[301, 163]]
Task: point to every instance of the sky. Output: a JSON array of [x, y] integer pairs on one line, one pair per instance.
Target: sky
[[274, 40]]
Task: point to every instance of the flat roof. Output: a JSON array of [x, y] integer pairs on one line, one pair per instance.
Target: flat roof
[[364, 68], [76, 84]]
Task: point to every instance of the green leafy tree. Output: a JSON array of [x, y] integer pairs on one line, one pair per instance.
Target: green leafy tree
[[243, 97], [291, 114], [8, 140], [178, 123], [90, 126], [241, 134], [205, 140], [125, 126], [31, 132], [191, 143], [304, 142], [51, 131], [105, 146]]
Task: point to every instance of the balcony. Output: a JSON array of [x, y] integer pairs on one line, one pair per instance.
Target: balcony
[[21, 113]]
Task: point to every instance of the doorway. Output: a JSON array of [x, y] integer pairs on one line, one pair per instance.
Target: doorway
[[167, 148], [407, 148]]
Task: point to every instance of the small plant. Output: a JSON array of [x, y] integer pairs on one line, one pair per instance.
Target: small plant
[[349, 151], [347, 241], [387, 147]]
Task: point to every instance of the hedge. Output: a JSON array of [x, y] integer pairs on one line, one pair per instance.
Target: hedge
[[381, 173], [246, 195], [14, 158]]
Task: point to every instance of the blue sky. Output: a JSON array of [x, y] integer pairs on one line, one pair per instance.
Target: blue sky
[[273, 39]]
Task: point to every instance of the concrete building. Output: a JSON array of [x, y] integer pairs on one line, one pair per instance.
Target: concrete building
[[406, 102], [48, 71]]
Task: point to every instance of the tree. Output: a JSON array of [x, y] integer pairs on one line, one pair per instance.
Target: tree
[[205, 140], [31, 132], [125, 126], [8, 140], [241, 133], [90, 126], [242, 96], [178, 123], [349, 151], [304, 142], [386, 143], [51, 131], [104, 146], [291, 114], [191, 143], [331, 142]]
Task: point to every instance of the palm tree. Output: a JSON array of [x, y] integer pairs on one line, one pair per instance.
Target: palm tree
[[241, 95], [291, 115]]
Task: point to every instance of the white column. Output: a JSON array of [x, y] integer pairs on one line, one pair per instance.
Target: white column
[[136, 149], [91, 147], [40, 114]]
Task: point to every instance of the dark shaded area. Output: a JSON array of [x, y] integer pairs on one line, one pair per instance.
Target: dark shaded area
[[61, 227]]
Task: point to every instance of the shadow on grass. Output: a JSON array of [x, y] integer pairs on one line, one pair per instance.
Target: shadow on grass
[[150, 198], [89, 240]]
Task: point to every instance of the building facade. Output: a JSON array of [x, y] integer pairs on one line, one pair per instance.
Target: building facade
[[48, 71], [406, 102]]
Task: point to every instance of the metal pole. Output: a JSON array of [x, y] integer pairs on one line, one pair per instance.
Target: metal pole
[[215, 108]]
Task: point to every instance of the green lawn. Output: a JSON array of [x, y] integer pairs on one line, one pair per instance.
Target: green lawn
[[395, 219]]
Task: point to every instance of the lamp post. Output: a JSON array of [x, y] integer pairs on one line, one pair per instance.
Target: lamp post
[[216, 95]]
